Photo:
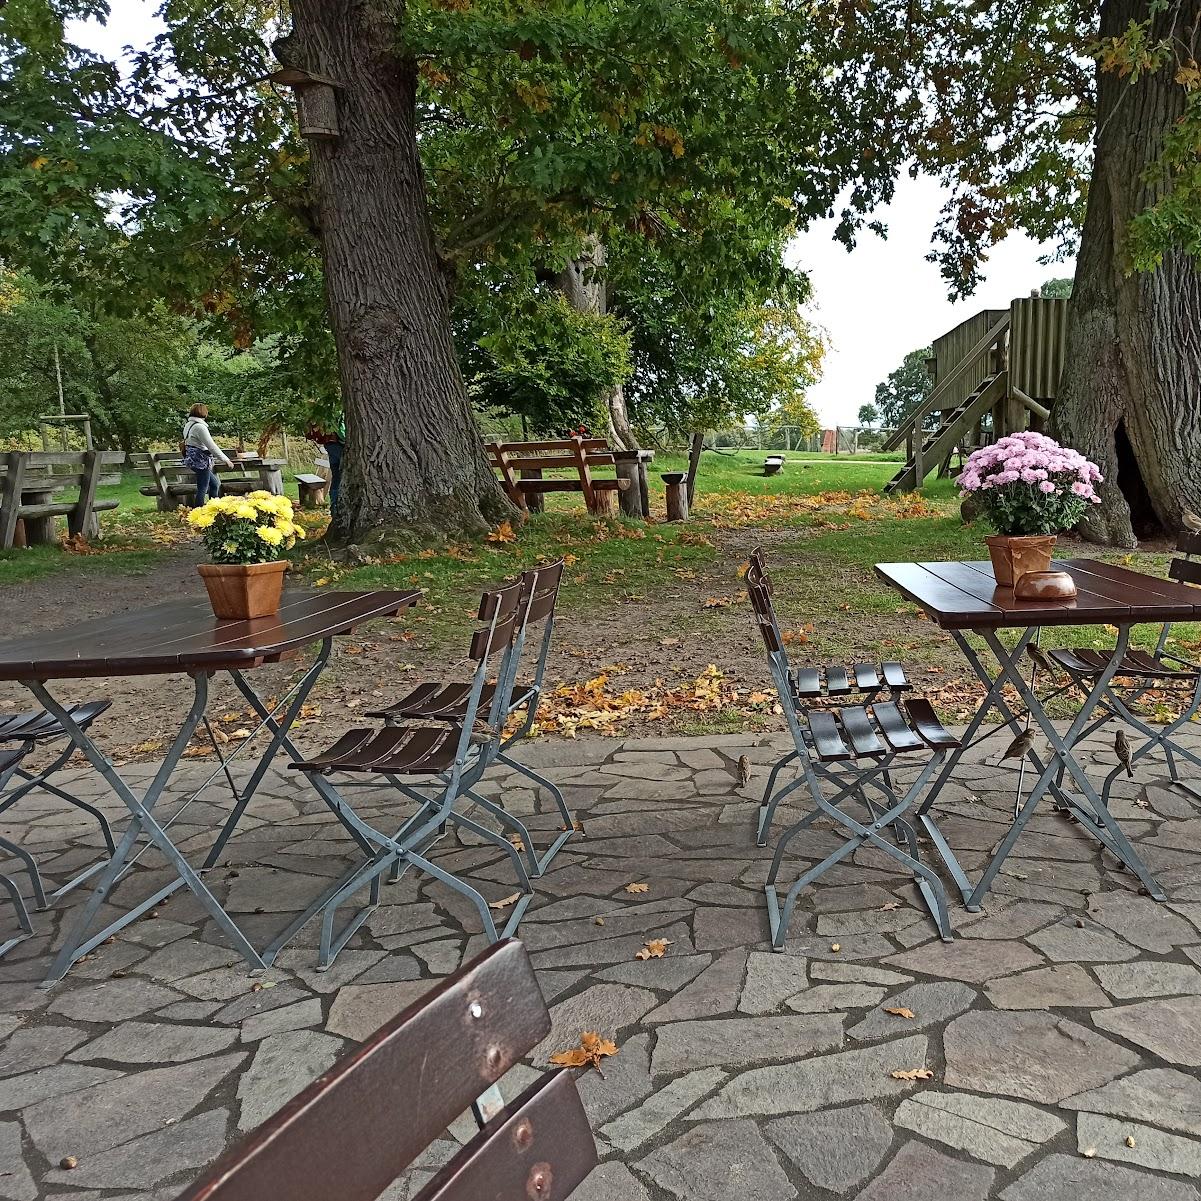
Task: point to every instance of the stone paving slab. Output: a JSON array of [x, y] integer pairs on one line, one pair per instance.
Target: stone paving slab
[[1059, 1028]]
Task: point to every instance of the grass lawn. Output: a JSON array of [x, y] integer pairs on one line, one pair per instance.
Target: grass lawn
[[647, 608]]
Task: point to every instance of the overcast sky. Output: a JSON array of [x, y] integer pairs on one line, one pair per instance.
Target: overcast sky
[[876, 303]]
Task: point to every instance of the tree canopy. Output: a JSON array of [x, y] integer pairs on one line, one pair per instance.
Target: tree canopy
[[904, 389]]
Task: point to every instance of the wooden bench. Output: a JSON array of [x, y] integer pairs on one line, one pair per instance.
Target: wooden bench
[[31, 481], [772, 464], [521, 466], [174, 484], [350, 1134], [312, 490]]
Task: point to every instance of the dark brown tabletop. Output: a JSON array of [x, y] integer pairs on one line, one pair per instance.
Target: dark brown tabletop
[[965, 596], [183, 635]]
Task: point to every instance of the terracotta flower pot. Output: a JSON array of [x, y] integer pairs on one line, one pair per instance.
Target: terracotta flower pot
[[1013, 555], [242, 591]]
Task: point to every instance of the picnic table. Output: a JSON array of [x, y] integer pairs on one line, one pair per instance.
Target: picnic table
[[521, 466], [181, 637], [174, 484], [30, 481], [963, 598]]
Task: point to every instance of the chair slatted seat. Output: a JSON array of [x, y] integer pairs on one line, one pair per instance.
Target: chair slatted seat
[[36, 725], [895, 729], [353, 1132], [858, 724], [1084, 662], [837, 682], [394, 750]]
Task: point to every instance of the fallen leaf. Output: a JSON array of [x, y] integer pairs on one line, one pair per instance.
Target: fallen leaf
[[516, 842], [901, 1012], [912, 1074], [600, 921], [1089, 1152], [1130, 1140], [836, 947], [717, 602], [505, 902], [637, 887], [259, 985], [591, 1050], [890, 906], [502, 533], [654, 948], [241, 732]]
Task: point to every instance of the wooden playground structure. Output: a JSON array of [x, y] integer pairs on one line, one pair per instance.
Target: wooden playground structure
[[994, 374]]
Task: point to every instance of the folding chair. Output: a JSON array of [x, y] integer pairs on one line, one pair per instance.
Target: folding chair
[[1142, 673], [812, 683], [27, 730], [445, 701], [355, 1129], [453, 757], [8, 767], [852, 750]]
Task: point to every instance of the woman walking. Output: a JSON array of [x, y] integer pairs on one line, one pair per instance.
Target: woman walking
[[199, 451]]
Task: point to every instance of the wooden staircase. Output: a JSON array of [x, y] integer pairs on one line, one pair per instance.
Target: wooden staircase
[[956, 425]]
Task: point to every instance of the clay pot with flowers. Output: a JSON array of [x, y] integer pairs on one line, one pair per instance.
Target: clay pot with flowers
[[1031, 489], [244, 536]]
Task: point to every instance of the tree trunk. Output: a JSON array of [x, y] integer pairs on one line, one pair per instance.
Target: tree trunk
[[1130, 397], [414, 458], [582, 283]]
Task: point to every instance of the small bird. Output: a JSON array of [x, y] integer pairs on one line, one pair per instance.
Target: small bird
[[1191, 520], [1121, 747], [1021, 746], [1041, 659], [744, 771]]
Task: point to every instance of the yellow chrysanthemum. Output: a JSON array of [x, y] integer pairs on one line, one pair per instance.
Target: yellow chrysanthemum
[[270, 535], [259, 494], [244, 510], [201, 519], [298, 532]]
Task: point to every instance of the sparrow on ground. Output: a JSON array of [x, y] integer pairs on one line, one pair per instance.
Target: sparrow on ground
[[744, 771], [1021, 746], [1121, 747]]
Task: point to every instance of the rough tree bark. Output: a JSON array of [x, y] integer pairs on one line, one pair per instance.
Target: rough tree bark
[[1130, 398], [413, 460], [582, 283]]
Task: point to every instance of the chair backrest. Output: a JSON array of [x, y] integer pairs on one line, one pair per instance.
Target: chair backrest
[[542, 589], [1186, 570], [354, 1130], [759, 589]]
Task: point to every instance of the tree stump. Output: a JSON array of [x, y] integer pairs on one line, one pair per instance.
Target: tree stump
[[677, 495]]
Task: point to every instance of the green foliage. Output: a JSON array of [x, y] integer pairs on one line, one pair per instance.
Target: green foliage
[[1056, 289], [868, 414], [904, 389], [1020, 508], [546, 362]]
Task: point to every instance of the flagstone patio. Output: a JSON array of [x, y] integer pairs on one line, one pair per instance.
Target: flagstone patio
[[1060, 1027]]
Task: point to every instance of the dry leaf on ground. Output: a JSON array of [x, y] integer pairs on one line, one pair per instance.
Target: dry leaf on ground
[[890, 906], [912, 1074], [505, 902], [502, 533], [901, 1012], [516, 842], [591, 1050], [654, 948], [637, 887]]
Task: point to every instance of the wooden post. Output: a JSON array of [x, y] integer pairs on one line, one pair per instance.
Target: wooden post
[[10, 497], [694, 462], [677, 495], [918, 466], [535, 502], [630, 497], [81, 519]]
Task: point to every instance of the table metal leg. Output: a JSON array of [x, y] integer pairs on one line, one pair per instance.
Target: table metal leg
[[78, 943], [1093, 813]]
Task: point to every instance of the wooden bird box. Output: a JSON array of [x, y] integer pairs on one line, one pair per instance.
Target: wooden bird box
[[316, 101]]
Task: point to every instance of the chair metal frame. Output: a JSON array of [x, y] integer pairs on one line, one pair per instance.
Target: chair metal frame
[[26, 731], [868, 684], [541, 589], [852, 780], [9, 762], [504, 611], [1117, 702]]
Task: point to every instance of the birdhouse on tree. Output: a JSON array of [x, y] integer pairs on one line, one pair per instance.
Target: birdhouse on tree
[[316, 101]]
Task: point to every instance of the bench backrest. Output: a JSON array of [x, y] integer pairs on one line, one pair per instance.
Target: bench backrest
[[354, 1130], [579, 454]]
